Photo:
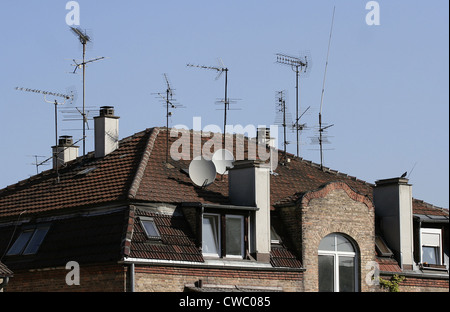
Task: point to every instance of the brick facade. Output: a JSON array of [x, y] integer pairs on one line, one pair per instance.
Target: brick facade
[[93, 278], [335, 208], [174, 279]]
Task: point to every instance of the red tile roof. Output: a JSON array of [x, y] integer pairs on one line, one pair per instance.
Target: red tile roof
[[422, 208]]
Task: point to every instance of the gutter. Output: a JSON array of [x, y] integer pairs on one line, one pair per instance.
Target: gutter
[[211, 264], [218, 206]]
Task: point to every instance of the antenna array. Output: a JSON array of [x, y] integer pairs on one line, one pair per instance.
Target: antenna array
[[169, 103], [298, 65], [283, 116], [56, 103], [84, 39], [220, 69], [321, 129]]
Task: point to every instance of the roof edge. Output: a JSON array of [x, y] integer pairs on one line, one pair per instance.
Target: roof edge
[[143, 163]]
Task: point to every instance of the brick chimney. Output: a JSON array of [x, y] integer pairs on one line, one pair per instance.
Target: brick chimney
[[249, 185], [106, 132], [65, 151], [393, 205]]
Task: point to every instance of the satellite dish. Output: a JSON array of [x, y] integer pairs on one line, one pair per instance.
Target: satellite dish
[[202, 172], [223, 159]]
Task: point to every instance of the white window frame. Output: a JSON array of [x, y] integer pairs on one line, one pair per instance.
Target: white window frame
[[431, 231], [336, 254], [231, 216], [219, 237]]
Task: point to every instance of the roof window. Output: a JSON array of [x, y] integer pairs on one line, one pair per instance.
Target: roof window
[[149, 226], [29, 241]]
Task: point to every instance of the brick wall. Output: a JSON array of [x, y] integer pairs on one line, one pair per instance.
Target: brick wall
[[174, 279], [93, 278], [413, 284], [335, 208]]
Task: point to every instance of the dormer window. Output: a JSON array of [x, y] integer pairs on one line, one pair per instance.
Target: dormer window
[[431, 246], [224, 235]]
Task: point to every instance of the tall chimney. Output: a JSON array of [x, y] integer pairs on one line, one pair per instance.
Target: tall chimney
[[65, 151], [249, 185], [106, 131], [393, 205]]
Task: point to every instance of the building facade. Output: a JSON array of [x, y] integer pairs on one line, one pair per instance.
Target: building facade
[[122, 218]]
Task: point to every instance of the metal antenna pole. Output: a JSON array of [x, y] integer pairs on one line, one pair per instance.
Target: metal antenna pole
[[83, 39], [221, 69], [84, 113], [295, 64], [55, 102], [323, 91]]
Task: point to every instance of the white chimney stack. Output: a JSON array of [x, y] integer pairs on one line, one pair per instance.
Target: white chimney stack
[[64, 152], [249, 185], [393, 205], [106, 132]]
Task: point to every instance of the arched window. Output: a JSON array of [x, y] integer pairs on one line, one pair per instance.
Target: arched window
[[338, 269]]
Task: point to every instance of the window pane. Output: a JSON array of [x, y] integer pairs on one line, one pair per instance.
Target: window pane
[[20, 243], [36, 241], [326, 273], [346, 274], [210, 235], [327, 243], [235, 235], [344, 244], [150, 228], [430, 255]]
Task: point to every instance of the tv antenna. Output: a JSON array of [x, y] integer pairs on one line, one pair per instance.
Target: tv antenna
[[84, 39], [169, 103], [298, 65], [56, 103], [283, 117], [321, 129], [38, 163], [220, 69]]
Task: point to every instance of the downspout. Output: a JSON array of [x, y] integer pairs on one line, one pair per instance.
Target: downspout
[[132, 278]]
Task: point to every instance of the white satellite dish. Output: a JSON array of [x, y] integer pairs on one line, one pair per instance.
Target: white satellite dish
[[202, 172], [223, 159]]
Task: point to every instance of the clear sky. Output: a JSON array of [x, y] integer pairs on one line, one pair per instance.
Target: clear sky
[[386, 88]]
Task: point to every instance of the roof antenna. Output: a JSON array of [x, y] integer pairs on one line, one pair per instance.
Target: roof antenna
[[56, 103], [298, 65], [321, 129], [221, 69], [84, 39], [282, 114], [169, 103]]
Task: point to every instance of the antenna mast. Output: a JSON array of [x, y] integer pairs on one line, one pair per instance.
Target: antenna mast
[[297, 66], [84, 39], [281, 108], [168, 99], [323, 91], [221, 69], [55, 102]]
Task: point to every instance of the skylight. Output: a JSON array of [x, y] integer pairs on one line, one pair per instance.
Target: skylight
[[29, 241], [150, 228]]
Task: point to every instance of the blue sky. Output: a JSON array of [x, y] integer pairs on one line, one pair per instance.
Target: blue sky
[[386, 90]]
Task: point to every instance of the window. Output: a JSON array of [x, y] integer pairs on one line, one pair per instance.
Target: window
[[150, 228], [211, 235], [223, 235], [337, 264], [235, 236], [29, 241], [431, 245]]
